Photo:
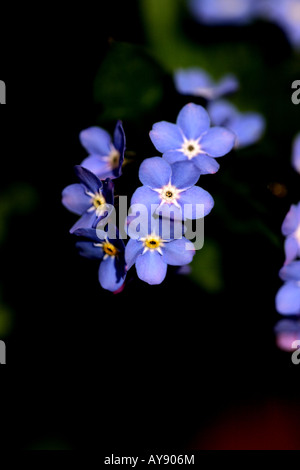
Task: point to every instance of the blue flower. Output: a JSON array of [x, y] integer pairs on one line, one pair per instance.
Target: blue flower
[[112, 270], [291, 230], [92, 199], [296, 153], [171, 186], [106, 156], [288, 296], [192, 140], [218, 12], [285, 13], [248, 127], [152, 253], [197, 82]]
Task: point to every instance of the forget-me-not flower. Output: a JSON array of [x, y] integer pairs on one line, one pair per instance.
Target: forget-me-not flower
[[171, 186], [106, 156], [288, 296], [248, 127], [219, 12], [192, 140], [151, 252], [92, 199], [285, 13], [197, 82], [296, 153], [112, 270], [291, 230]]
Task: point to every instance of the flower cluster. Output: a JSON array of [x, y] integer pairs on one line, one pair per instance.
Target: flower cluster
[[248, 127], [288, 296], [167, 198], [284, 13], [93, 200]]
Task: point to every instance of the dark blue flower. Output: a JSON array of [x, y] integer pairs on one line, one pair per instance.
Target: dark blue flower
[[288, 296], [197, 82], [192, 140], [218, 12], [285, 13], [291, 230], [152, 253], [112, 270], [106, 157], [248, 127], [171, 187], [296, 153], [92, 199]]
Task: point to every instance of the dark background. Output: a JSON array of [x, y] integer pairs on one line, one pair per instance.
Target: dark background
[[174, 365]]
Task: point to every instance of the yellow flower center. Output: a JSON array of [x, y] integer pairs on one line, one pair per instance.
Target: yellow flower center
[[114, 158], [109, 249], [153, 242], [98, 201]]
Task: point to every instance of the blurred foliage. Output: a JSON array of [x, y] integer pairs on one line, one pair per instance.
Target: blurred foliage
[[207, 267], [128, 83], [18, 199]]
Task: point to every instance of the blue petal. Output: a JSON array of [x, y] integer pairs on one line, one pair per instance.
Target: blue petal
[[87, 178], [291, 272], [178, 252], [222, 112], [166, 136], [291, 221], [173, 156], [193, 120], [146, 196], [291, 248], [218, 12], [96, 141], [193, 81], [109, 277], [89, 250], [133, 249], [248, 128], [155, 172], [101, 168], [151, 268], [75, 199], [288, 299], [108, 191], [196, 196], [228, 84], [184, 175], [86, 221], [89, 233], [120, 145], [296, 154], [217, 142], [206, 164]]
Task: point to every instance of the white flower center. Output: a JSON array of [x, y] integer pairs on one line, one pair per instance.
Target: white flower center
[[191, 148], [169, 194], [114, 158]]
